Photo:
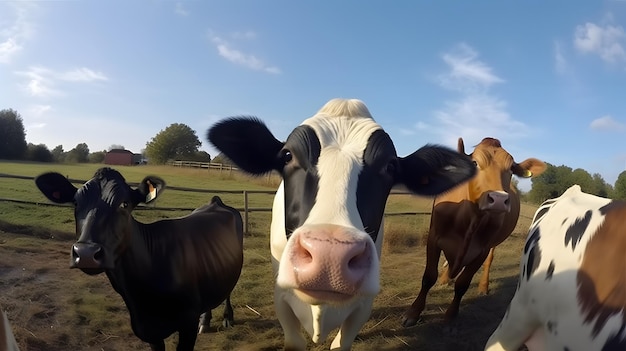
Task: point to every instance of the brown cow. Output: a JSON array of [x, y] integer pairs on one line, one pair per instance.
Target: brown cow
[[470, 220]]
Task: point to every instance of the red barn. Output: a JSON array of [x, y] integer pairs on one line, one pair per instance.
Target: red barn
[[118, 157]]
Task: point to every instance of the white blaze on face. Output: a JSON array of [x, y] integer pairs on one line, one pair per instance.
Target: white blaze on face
[[343, 141]]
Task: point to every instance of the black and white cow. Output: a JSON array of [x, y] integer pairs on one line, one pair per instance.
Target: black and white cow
[[338, 168], [572, 285], [168, 272]]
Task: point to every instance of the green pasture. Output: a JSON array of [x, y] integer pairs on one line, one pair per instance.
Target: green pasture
[[54, 308], [60, 219]]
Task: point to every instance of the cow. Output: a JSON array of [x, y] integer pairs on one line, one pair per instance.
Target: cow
[[168, 272], [470, 220], [7, 340], [571, 293], [337, 169]]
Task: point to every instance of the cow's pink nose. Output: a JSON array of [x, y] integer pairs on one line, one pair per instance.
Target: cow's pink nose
[[495, 201], [331, 261]]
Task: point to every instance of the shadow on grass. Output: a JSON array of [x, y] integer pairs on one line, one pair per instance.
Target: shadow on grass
[[478, 318], [35, 231]]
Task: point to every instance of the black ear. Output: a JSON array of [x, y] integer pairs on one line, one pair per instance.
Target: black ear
[[56, 187], [248, 143], [149, 189], [432, 170]]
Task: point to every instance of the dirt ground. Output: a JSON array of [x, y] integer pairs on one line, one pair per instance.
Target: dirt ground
[[54, 308]]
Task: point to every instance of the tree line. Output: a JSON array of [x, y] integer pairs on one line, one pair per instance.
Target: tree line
[[556, 179], [179, 142], [176, 142]]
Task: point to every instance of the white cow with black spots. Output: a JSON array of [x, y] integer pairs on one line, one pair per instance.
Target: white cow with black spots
[[572, 286], [327, 221]]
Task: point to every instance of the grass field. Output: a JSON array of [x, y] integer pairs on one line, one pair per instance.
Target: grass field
[[54, 308]]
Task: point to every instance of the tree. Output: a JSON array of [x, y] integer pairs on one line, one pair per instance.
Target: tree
[[583, 178], [200, 156], [601, 187], [12, 135], [79, 154], [58, 155], [38, 153], [116, 146], [221, 158], [620, 186], [97, 157], [178, 141]]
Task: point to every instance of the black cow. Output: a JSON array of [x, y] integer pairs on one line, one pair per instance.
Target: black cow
[[168, 272]]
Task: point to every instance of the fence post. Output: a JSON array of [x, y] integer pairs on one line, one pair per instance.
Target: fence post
[[245, 211]]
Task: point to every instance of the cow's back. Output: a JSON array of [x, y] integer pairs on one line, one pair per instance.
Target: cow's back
[[572, 282]]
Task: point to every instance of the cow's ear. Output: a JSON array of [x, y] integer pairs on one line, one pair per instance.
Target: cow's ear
[[248, 143], [56, 187], [149, 189], [460, 146], [432, 170], [531, 167]]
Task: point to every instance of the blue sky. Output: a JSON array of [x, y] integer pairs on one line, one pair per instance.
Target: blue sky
[[548, 78]]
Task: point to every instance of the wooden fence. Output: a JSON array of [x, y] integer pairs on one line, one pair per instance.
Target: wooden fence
[[245, 211]]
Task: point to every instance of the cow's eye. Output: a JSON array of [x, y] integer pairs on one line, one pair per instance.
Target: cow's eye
[[286, 156], [124, 204], [475, 163], [391, 168]]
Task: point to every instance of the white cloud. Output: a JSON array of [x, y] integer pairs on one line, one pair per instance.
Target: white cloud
[[15, 30], [475, 113], [244, 35], [560, 63], [607, 123], [476, 116], [7, 49], [82, 75], [227, 51], [36, 125], [180, 10], [39, 82], [44, 83], [39, 110], [606, 41], [466, 73]]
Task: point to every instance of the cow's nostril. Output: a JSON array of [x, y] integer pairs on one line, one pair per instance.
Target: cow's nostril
[[98, 255], [491, 199], [506, 202], [360, 261]]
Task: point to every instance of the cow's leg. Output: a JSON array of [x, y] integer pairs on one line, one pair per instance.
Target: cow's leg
[[187, 335], [462, 283], [294, 340], [412, 315], [351, 326], [159, 346], [517, 327], [205, 322], [483, 285], [229, 315]]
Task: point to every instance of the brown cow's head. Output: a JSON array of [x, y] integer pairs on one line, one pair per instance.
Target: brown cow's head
[[102, 210], [491, 186]]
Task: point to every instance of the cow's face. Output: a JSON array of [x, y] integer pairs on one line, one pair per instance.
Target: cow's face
[[335, 190], [338, 168], [491, 186], [102, 211]]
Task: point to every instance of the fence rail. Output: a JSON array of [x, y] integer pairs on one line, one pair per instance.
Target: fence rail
[[245, 210]]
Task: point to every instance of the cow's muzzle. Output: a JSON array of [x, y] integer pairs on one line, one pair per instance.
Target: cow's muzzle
[[495, 201], [87, 256]]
